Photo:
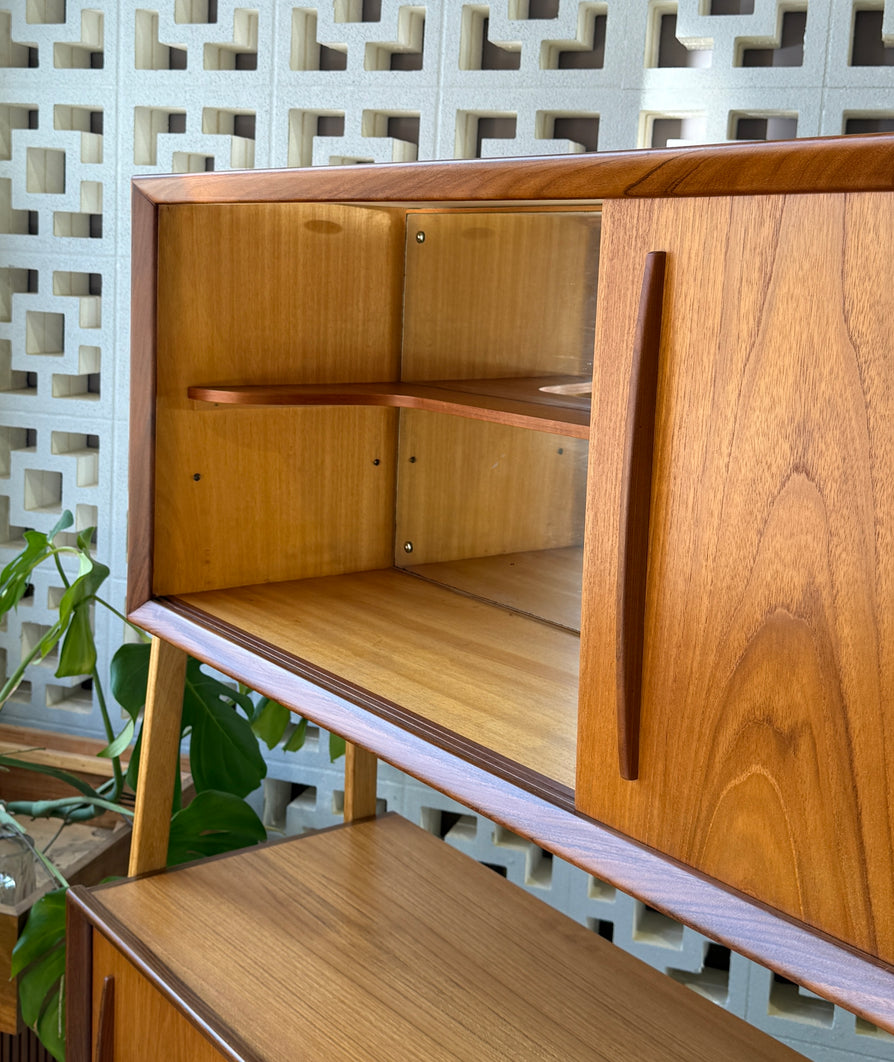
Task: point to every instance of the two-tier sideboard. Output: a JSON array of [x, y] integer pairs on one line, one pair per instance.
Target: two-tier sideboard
[[562, 484]]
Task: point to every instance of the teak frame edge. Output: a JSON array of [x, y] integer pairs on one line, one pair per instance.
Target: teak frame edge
[[820, 164]]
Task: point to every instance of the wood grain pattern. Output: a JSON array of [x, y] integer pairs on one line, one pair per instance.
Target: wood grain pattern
[[140, 1015], [447, 659], [218, 466], [542, 583], [416, 970], [769, 664], [160, 757], [633, 534], [822, 164], [499, 294], [545, 815], [527, 406], [472, 489], [360, 783], [141, 474]]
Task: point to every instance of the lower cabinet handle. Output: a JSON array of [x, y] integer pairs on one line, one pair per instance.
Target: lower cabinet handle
[[636, 499], [105, 1030]]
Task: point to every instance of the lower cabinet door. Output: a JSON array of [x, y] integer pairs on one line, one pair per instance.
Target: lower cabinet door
[[133, 1021], [765, 618]]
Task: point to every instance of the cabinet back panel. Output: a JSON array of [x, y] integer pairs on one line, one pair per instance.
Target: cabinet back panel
[[499, 294], [767, 744], [281, 494], [273, 293], [468, 488]]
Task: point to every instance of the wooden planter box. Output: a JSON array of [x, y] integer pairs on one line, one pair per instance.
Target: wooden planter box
[[86, 853]]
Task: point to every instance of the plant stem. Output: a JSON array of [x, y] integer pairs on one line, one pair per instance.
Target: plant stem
[[110, 732]]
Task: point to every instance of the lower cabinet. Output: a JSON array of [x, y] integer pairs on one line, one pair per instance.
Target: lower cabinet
[[371, 941]]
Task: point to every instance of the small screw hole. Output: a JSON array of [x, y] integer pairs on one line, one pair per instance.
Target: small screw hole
[[197, 476]]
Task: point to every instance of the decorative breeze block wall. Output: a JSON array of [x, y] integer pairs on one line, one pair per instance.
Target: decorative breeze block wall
[[95, 91]]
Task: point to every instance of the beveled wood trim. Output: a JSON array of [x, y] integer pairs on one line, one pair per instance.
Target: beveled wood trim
[[78, 979], [528, 407], [143, 330], [821, 164], [212, 1026], [837, 972], [636, 500]]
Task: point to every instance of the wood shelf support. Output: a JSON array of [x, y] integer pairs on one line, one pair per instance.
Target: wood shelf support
[[360, 783], [160, 759]]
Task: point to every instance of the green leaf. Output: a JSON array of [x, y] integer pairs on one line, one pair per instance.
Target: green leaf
[[296, 739], [336, 747], [91, 575], [270, 722], [48, 642], [85, 539], [116, 747], [38, 983], [78, 653], [14, 577], [129, 672], [214, 822], [51, 1027], [44, 929], [223, 750], [64, 521]]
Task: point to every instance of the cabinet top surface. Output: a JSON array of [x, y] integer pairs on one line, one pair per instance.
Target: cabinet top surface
[[827, 164], [359, 918]]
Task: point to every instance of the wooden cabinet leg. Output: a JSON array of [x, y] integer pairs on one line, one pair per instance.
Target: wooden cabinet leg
[[159, 758], [360, 783]]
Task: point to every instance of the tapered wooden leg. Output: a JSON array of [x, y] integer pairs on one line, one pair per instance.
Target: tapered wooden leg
[[159, 758], [360, 783]]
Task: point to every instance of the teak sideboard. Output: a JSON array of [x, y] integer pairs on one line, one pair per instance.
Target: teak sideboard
[[564, 485]]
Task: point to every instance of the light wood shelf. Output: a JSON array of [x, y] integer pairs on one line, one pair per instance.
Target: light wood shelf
[[562, 410], [502, 680]]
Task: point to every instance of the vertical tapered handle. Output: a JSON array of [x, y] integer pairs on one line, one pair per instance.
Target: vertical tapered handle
[[636, 497], [105, 1030]]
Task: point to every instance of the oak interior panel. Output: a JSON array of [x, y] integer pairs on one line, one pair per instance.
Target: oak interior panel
[[493, 294], [467, 488], [256, 293], [501, 679], [358, 922], [767, 750]]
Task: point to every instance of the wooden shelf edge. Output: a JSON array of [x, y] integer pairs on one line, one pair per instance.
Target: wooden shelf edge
[[837, 972], [517, 402]]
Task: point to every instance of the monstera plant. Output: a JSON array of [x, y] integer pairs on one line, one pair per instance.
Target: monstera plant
[[222, 726]]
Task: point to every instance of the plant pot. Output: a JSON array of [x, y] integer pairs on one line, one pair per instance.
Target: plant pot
[[84, 852]]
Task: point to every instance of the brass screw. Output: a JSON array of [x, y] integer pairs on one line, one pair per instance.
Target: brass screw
[[408, 547], [420, 237]]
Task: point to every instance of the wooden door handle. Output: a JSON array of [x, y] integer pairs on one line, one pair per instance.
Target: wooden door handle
[[105, 1030], [636, 499]]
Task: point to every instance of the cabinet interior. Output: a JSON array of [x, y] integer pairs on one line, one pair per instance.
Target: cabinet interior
[[391, 403]]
